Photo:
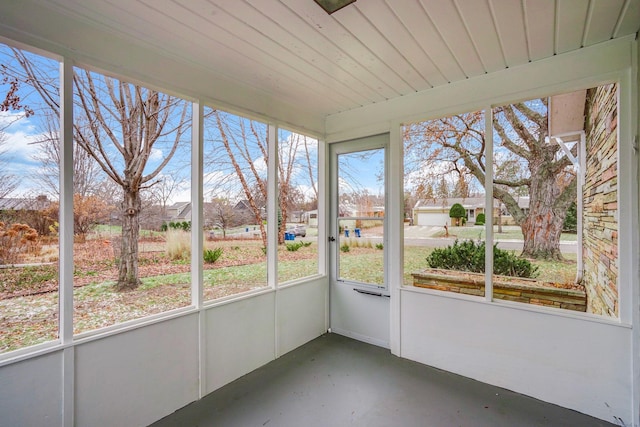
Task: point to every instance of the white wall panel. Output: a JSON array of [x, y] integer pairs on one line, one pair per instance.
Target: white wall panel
[[239, 337], [360, 316], [30, 392], [577, 363], [301, 314], [137, 377]]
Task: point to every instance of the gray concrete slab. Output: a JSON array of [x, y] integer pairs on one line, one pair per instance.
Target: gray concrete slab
[[336, 381]]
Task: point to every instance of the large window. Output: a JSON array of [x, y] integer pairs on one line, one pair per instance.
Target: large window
[[127, 197], [236, 156], [551, 210], [444, 162], [29, 250], [131, 202], [297, 206]]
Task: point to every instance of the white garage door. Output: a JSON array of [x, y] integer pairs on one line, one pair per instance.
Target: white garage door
[[439, 219]]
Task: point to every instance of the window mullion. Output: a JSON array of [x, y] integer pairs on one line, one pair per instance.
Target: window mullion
[[197, 244], [272, 206], [66, 202], [488, 202]]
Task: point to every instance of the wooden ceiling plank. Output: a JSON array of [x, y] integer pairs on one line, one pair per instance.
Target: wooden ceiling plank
[[478, 20], [394, 67], [133, 16], [388, 24], [333, 57], [629, 23], [282, 42], [330, 28], [448, 22], [509, 17], [602, 21], [570, 24], [426, 35], [218, 32], [540, 24]]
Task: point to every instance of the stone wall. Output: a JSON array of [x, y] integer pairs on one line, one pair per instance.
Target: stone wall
[[527, 291], [600, 201]]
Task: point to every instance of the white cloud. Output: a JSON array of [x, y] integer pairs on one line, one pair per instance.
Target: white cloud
[[156, 155]]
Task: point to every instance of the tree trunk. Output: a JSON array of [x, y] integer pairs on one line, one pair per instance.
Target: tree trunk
[[542, 236], [128, 267], [542, 227]]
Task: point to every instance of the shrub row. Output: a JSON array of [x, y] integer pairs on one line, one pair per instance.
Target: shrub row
[[470, 256]]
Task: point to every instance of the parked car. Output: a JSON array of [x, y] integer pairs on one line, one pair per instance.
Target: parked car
[[297, 230]]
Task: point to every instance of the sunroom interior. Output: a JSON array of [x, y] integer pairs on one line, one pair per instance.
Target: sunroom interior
[[366, 78]]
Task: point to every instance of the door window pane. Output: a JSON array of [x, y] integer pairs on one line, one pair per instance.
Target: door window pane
[[361, 209]]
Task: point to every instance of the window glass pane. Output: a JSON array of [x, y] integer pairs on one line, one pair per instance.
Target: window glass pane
[[444, 237], [297, 206], [235, 201], [29, 147], [361, 251], [361, 207], [555, 168], [132, 211]]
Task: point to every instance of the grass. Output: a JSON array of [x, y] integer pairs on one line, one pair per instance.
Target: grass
[[30, 320]]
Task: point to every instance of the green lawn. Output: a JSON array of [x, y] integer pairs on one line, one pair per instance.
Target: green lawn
[[30, 320]]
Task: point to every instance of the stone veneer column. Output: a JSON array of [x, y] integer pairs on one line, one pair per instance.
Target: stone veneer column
[[600, 198]]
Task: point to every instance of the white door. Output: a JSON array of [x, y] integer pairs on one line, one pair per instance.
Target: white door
[[359, 289]]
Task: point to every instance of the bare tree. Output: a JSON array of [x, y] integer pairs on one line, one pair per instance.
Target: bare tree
[[520, 131], [119, 126], [8, 181], [86, 172], [164, 188], [145, 119], [237, 147], [238, 151], [220, 211]]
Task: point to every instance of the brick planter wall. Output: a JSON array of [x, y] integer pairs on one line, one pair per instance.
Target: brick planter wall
[[528, 291], [600, 201]]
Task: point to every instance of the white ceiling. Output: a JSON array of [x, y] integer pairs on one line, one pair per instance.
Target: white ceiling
[[368, 52]]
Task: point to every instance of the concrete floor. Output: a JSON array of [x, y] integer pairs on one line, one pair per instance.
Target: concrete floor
[[336, 381]]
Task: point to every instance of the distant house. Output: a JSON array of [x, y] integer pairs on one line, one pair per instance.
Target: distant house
[[435, 212], [178, 212], [24, 204], [181, 211], [311, 218]]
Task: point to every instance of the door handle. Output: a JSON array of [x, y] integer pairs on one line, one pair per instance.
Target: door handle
[[332, 239]]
